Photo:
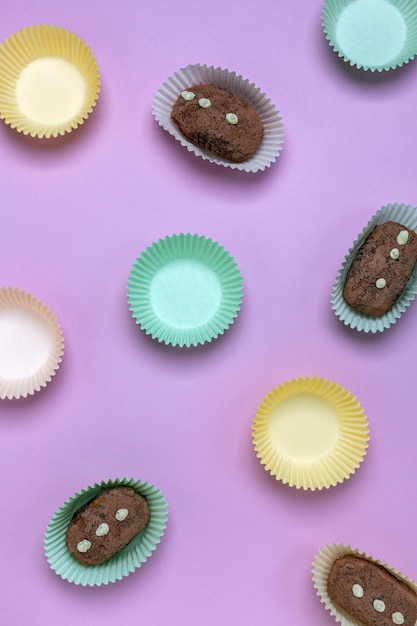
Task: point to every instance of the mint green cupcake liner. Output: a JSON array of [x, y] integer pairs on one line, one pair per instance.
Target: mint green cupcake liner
[[185, 290], [122, 564], [407, 216], [373, 35]]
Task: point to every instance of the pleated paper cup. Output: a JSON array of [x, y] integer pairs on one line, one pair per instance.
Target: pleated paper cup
[[185, 290], [310, 433], [130, 558], [322, 565], [373, 35], [49, 81], [273, 126], [31, 344], [406, 215]]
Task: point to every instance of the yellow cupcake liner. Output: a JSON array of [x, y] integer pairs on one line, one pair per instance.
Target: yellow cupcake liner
[[322, 565], [310, 433], [31, 344], [49, 81]]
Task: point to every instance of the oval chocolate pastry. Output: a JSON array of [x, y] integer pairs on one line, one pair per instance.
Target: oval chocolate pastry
[[106, 524], [218, 121], [370, 593], [381, 269]]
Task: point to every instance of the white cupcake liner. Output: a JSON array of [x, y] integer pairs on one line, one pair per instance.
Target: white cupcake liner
[[322, 565], [168, 93], [407, 216], [31, 344]]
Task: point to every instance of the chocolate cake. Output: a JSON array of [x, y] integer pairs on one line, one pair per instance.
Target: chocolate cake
[[106, 524], [218, 121], [381, 269], [370, 593]]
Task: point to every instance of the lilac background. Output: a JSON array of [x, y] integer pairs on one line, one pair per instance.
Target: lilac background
[[75, 214]]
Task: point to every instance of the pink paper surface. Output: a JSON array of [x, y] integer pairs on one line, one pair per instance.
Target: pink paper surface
[[75, 214]]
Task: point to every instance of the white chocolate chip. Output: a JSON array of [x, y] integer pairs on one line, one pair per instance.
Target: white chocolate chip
[[204, 103], [380, 283], [84, 545], [394, 254], [398, 618], [379, 605], [402, 237], [357, 590], [102, 530], [188, 95], [232, 118], [121, 515]]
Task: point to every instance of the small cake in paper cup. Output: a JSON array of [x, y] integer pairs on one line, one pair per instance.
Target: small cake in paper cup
[[378, 278], [49, 81], [220, 117], [185, 290], [310, 433], [373, 35], [31, 344], [102, 520], [359, 590]]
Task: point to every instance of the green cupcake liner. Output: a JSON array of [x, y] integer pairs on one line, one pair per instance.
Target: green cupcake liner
[[127, 560], [185, 290], [374, 35]]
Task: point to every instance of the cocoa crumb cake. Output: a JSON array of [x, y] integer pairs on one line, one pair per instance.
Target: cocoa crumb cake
[[218, 121], [381, 269], [106, 524], [370, 593]]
